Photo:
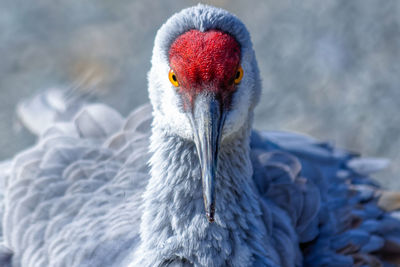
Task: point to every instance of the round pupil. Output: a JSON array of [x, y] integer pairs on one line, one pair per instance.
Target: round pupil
[[174, 77], [237, 75]]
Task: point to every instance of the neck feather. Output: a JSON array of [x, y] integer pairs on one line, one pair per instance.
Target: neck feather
[[174, 225]]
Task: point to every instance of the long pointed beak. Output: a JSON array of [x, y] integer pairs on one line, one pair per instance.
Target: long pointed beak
[[207, 122]]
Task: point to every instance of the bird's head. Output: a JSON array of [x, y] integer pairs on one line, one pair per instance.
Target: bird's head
[[204, 83]]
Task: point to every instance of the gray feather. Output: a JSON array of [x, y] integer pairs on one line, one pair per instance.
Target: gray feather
[[101, 190]]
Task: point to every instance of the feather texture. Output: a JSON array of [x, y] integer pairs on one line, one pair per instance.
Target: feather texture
[[75, 199], [101, 190], [75, 187]]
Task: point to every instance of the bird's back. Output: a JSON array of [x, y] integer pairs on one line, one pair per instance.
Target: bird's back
[[335, 208], [73, 199]]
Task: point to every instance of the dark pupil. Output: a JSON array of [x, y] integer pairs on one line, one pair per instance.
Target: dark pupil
[[237, 75], [174, 77]]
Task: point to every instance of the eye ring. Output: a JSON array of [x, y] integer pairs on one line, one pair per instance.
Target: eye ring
[[238, 75], [172, 78]]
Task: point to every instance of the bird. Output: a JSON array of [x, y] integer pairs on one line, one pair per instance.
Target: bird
[[187, 181]]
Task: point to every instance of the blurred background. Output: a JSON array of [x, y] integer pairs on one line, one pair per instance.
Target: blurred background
[[330, 69]]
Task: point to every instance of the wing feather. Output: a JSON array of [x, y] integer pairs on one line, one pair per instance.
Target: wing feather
[[341, 216], [74, 199]]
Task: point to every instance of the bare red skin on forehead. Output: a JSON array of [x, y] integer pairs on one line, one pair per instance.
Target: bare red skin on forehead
[[205, 61]]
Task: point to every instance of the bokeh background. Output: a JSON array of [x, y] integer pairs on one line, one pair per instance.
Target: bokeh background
[[330, 69]]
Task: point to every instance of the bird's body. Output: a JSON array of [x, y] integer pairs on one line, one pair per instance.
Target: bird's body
[[85, 195]]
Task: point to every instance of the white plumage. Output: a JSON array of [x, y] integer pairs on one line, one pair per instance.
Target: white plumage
[[85, 194]]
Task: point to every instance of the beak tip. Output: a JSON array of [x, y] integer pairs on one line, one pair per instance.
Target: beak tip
[[210, 214], [210, 217]]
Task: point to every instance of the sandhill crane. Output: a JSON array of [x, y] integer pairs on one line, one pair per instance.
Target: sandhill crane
[[215, 192]]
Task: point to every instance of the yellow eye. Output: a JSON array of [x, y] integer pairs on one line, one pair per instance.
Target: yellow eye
[[238, 75], [172, 78]]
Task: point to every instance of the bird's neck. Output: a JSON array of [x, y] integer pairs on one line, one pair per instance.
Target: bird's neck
[[174, 225]]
